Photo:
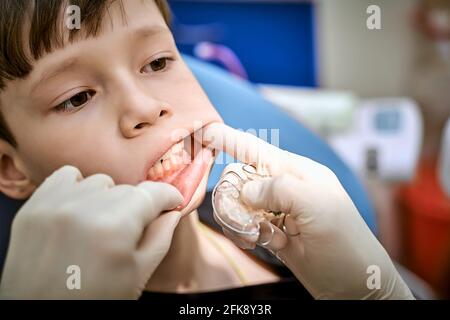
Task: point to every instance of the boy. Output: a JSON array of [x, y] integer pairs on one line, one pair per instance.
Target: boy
[[116, 98]]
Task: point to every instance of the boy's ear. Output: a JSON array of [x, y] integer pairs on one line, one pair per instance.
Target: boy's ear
[[14, 182]]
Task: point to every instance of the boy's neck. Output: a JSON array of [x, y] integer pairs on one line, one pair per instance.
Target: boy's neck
[[178, 268], [192, 264]]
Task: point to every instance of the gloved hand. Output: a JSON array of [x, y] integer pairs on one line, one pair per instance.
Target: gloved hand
[[326, 244], [114, 234]]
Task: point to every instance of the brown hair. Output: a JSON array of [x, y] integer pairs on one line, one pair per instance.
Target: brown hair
[[43, 16]]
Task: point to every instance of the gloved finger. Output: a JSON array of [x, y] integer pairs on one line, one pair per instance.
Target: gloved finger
[[278, 221], [97, 182], [307, 169], [249, 149], [243, 146], [156, 241], [271, 237], [158, 197], [67, 175], [290, 227], [280, 193]]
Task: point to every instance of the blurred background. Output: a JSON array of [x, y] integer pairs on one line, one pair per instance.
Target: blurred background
[[379, 97]]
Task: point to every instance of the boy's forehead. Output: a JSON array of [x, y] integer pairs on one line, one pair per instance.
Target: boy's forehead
[[119, 17], [127, 16], [138, 19], [135, 13]]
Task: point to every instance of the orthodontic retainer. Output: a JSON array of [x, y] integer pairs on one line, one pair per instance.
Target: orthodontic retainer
[[230, 212]]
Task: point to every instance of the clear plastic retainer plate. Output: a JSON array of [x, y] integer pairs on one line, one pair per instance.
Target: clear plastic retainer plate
[[229, 211]]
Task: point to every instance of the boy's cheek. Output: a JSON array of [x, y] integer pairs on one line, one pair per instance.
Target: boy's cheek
[[47, 152], [42, 162]]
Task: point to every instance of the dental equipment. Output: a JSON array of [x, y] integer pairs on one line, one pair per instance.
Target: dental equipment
[[444, 161], [386, 139]]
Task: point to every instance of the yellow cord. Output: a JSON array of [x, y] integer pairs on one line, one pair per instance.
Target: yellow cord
[[219, 248]]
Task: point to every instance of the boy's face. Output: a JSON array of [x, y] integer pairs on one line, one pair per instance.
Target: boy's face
[[111, 104]]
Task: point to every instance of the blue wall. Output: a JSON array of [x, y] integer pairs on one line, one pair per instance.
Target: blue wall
[[274, 41]]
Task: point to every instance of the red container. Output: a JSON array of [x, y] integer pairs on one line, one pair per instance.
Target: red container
[[426, 227]]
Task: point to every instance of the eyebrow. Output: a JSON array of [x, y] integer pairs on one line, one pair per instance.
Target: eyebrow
[[63, 67], [141, 33], [146, 32]]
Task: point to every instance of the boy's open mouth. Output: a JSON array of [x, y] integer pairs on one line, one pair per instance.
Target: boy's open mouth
[[183, 166]]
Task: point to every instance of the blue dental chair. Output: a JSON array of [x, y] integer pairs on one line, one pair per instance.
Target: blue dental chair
[[241, 106]]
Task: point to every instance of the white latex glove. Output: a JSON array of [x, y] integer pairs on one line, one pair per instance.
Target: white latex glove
[[335, 249], [115, 234]]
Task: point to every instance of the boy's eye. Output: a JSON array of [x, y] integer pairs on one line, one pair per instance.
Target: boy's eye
[[157, 65], [75, 101]]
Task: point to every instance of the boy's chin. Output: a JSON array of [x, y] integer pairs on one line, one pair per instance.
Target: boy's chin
[[197, 198]]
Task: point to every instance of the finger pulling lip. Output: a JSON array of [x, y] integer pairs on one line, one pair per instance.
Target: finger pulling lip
[[191, 143], [188, 178], [191, 165]]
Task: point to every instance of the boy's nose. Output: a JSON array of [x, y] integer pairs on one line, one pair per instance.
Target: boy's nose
[[136, 118]]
